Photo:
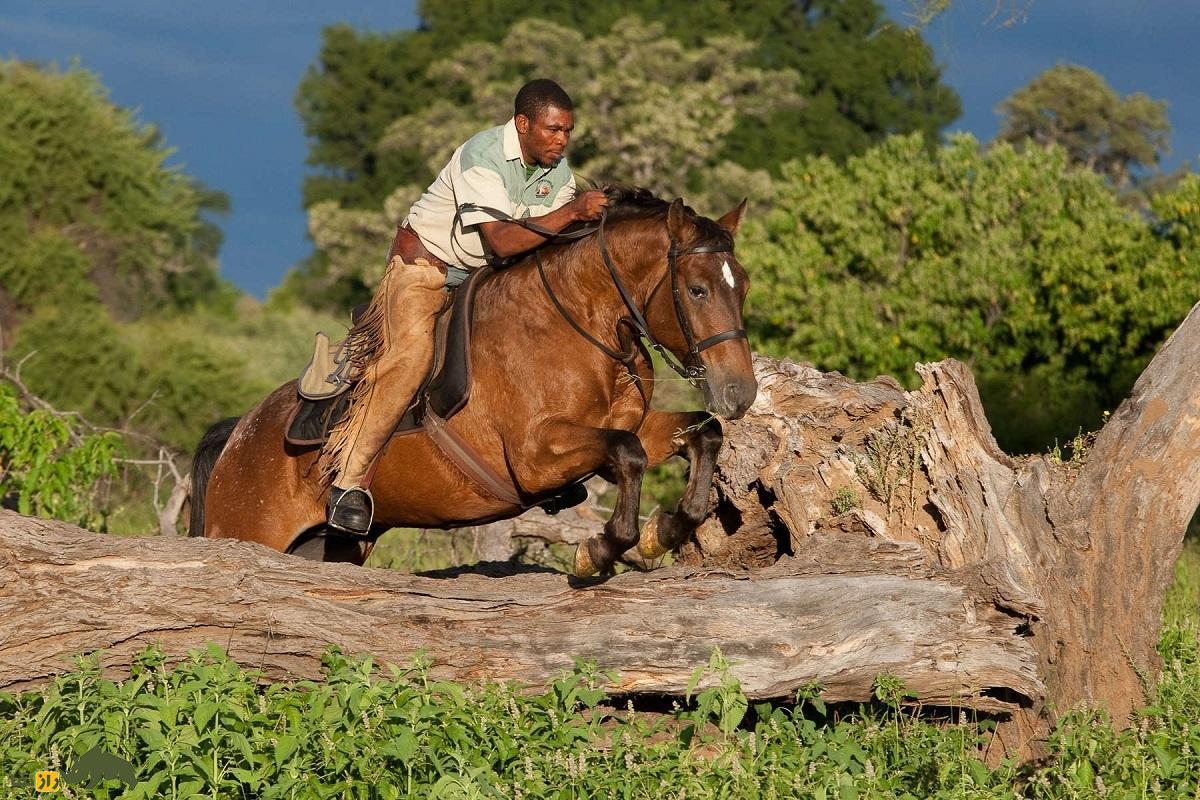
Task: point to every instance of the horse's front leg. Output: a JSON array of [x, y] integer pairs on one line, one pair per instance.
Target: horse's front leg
[[573, 449], [695, 435]]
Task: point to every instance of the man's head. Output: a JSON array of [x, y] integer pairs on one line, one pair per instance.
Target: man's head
[[544, 115]]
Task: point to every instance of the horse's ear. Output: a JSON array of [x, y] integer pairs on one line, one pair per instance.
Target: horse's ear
[[733, 219], [675, 219]]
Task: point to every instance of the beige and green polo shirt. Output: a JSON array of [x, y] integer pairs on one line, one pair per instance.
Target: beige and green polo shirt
[[487, 171]]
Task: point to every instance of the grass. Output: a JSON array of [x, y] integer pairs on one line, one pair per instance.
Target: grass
[[207, 728]]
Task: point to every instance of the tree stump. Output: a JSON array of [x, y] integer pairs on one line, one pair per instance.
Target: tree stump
[[1077, 555]]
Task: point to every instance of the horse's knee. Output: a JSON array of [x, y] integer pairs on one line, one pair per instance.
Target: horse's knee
[[626, 456], [708, 438]]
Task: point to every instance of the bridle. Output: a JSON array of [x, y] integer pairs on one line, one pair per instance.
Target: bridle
[[692, 367]]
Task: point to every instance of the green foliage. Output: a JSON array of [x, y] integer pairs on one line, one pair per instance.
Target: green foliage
[[845, 499], [723, 701], [169, 377], [51, 469], [360, 84], [207, 728], [88, 209], [1074, 108], [100, 243], [862, 79], [1026, 268]]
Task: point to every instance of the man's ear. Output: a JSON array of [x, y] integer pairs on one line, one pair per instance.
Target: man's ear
[[733, 219], [675, 219], [522, 123]]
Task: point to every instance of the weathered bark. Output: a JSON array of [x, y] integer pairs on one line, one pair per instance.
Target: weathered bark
[[859, 529], [65, 591], [1077, 555]]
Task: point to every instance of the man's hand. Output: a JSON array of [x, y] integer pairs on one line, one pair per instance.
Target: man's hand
[[589, 206], [508, 239]]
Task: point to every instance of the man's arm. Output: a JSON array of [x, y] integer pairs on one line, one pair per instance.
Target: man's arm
[[507, 239]]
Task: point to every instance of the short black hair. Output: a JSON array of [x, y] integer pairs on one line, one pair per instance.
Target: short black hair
[[538, 95]]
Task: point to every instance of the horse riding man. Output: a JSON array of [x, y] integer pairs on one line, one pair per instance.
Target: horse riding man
[[516, 169]]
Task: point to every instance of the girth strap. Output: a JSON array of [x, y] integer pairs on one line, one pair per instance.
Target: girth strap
[[468, 461]]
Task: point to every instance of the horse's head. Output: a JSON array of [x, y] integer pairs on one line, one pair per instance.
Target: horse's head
[[696, 310]]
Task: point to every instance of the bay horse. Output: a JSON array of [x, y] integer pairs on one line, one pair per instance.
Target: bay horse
[[560, 390]]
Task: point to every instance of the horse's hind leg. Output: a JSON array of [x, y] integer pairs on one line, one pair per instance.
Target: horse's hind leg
[[697, 436]]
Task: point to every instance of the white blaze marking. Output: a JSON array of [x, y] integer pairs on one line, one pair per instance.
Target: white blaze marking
[[727, 273]]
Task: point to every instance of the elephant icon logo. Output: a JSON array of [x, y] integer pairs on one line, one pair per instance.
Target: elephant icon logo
[[98, 765]]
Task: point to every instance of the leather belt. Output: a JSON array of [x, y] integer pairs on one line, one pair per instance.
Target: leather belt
[[408, 246]]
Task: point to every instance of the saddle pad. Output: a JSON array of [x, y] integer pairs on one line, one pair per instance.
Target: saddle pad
[[446, 389], [312, 420]]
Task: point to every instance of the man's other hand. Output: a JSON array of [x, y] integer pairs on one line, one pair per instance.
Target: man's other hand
[[590, 205]]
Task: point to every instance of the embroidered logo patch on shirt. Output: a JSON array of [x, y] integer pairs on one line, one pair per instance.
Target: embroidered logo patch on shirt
[[542, 189]]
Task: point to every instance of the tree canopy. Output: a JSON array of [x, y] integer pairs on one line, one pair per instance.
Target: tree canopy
[[108, 266], [860, 79], [1019, 263], [1074, 108]]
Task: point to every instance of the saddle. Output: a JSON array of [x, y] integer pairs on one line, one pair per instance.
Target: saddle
[[324, 385]]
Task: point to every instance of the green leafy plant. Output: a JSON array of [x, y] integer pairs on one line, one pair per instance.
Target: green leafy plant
[[845, 499], [723, 702], [51, 469]]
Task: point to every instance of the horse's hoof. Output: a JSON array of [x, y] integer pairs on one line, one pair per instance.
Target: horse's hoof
[[584, 568], [649, 547]]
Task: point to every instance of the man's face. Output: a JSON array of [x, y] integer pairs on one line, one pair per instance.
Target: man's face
[[544, 139]]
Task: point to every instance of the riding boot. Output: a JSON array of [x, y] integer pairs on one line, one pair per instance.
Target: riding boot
[[399, 324], [350, 510]]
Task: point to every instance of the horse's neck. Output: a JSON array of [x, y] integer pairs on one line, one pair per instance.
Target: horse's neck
[[587, 282]]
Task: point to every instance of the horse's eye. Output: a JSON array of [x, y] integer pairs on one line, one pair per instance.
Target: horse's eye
[[698, 292]]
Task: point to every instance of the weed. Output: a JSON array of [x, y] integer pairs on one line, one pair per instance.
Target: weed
[[1076, 450], [891, 457], [845, 499]]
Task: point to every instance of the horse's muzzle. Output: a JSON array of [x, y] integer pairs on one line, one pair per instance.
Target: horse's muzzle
[[729, 398]]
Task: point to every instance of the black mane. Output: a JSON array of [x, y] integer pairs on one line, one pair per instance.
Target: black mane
[[637, 202]]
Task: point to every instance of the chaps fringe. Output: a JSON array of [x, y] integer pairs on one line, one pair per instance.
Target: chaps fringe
[[365, 343]]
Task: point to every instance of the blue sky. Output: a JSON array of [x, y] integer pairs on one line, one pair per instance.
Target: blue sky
[[218, 78]]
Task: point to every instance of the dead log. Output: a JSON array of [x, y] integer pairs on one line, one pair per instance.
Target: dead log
[[1077, 555], [66, 591]]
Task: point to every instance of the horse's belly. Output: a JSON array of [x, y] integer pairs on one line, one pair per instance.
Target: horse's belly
[[416, 486]]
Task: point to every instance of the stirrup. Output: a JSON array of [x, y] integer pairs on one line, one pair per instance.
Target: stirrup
[[348, 508]]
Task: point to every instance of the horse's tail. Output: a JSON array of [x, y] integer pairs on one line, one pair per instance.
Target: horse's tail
[[207, 452]]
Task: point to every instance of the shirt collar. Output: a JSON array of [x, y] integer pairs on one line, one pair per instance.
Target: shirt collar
[[512, 145]]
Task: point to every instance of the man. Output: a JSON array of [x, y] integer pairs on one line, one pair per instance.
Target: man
[[518, 169]]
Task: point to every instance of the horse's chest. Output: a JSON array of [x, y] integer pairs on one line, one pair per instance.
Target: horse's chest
[[625, 407]]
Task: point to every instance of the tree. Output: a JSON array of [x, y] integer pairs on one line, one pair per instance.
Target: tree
[[1027, 268], [359, 85], [89, 211], [862, 77], [654, 113], [1074, 108], [101, 242]]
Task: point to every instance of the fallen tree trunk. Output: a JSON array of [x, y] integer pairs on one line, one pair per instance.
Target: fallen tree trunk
[[67, 591], [859, 529]]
